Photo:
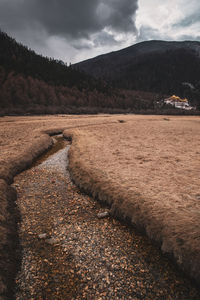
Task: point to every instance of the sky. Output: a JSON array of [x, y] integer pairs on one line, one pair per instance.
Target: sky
[[75, 30]]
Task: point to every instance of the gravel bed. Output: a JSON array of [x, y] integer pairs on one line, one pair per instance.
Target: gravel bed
[[71, 253], [58, 161]]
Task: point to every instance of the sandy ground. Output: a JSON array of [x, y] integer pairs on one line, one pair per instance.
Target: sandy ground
[[146, 168]]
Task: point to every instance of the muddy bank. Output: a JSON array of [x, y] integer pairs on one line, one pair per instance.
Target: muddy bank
[[22, 139], [21, 142], [96, 182], [9, 246], [69, 252], [177, 235], [25, 159], [9, 215]]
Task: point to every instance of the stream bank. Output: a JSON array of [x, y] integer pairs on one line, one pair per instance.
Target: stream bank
[[69, 253]]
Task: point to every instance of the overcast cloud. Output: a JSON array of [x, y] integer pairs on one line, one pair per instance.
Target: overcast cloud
[[177, 20], [80, 29]]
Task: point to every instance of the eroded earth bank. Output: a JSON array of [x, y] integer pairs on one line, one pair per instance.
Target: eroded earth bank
[[69, 252], [146, 168]]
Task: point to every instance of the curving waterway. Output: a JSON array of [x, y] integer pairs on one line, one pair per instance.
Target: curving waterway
[[68, 252]]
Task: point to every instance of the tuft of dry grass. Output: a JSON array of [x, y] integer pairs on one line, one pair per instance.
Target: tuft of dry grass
[[24, 138]]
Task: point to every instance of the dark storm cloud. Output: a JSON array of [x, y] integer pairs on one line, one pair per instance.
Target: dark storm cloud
[[74, 18], [81, 44], [69, 29], [103, 39], [118, 14]]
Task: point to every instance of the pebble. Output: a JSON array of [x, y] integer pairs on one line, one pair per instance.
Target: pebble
[[42, 236], [52, 241], [104, 214]]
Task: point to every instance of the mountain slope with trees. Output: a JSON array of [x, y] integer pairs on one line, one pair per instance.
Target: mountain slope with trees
[[31, 83], [154, 66]]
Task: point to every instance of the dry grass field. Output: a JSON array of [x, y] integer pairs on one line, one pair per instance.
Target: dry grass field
[[146, 168]]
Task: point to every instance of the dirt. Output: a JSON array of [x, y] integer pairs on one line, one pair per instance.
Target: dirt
[[145, 167], [69, 253]]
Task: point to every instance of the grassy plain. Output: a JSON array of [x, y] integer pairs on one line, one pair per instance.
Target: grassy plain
[[146, 168]]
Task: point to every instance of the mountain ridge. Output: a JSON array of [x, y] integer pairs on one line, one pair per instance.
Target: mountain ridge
[[144, 47], [33, 84], [153, 66]]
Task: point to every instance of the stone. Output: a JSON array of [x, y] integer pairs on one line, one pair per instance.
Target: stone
[[42, 236], [52, 241], [102, 215]]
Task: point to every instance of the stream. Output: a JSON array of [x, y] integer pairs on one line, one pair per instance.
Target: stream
[[68, 252]]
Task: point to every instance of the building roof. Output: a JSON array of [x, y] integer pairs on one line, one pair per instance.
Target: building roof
[[175, 98]]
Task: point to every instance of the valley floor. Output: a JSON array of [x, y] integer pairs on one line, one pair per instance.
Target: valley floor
[[146, 168], [70, 253]]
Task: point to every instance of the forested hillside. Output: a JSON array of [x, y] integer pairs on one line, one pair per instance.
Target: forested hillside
[[30, 83], [33, 84], [154, 66], [18, 58]]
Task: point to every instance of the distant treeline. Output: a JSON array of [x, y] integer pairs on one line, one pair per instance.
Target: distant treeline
[[20, 94], [33, 84]]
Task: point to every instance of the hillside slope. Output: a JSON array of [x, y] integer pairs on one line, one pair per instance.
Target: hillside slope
[[155, 66], [18, 58], [31, 83]]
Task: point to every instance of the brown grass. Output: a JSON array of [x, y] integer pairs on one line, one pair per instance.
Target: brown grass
[[22, 139], [145, 167]]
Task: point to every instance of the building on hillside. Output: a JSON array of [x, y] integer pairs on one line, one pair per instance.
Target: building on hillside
[[178, 102]]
